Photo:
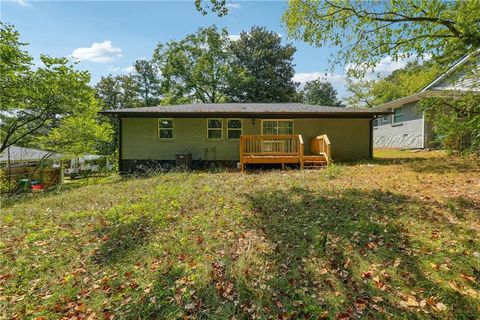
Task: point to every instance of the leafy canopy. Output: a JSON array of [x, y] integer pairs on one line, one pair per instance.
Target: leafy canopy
[[195, 68], [264, 68], [147, 81], [400, 83], [37, 102], [320, 93], [366, 31]]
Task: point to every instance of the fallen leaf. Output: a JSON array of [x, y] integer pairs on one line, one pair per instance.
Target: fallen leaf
[[467, 277], [440, 306]]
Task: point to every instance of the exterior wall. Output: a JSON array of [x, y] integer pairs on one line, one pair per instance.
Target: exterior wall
[[408, 135], [350, 138]]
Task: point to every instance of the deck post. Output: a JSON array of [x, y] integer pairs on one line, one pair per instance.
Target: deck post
[[300, 151]]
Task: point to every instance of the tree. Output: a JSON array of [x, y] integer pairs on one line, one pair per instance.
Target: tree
[[456, 120], [118, 92], [320, 93], [264, 68], [366, 31], [37, 101], [400, 83], [195, 68], [115, 92], [147, 82]]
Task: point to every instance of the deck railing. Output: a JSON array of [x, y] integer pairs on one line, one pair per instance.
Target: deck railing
[[321, 145], [275, 145]]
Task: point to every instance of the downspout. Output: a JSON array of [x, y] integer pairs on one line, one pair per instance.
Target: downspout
[[120, 144], [370, 153], [423, 130]]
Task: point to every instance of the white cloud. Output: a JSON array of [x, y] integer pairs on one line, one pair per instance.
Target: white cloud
[[23, 3], [99, 52], [234, 37], [339, 79], [113, 69], [128, 69], [232, 6]]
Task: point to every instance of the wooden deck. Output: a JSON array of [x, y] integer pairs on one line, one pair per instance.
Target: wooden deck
[[283, 149]]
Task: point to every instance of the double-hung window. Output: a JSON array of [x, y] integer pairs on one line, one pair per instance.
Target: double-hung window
[[234, 128], [165, 129], [214, 128], [277, 127], [398, 115]]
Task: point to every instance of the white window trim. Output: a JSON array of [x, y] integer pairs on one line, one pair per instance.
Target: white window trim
[[221, 128], [276, 120], [235, 129], [172, 129], [393, 116]]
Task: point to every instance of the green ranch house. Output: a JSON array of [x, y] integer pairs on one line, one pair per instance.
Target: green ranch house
[[243, 134]]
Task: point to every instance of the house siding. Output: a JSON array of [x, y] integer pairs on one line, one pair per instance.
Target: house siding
[[408, 135], [350, 138]]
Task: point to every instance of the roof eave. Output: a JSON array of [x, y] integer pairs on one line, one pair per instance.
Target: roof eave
[[122, 114]]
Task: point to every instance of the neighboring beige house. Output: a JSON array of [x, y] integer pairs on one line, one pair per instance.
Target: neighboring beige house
[[214, 133], [407, 126]]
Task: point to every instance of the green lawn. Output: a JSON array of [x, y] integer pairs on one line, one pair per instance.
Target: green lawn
[[398, 237]]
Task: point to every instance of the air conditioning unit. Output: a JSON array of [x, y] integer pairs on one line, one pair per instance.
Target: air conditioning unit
[[183, 160]]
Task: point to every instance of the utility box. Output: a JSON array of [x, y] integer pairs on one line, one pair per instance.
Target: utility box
[[183, 160]]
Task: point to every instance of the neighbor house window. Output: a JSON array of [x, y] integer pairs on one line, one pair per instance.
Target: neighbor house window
[[398, 115], [234, 128], [384, 119], [214, 128], [375, 123], [165, 129], [277, 127]]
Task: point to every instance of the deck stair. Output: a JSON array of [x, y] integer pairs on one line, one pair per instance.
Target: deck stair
[[315, 161]]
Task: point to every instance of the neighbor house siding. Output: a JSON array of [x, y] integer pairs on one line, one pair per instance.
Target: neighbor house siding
[[407, 134], [349, 138]]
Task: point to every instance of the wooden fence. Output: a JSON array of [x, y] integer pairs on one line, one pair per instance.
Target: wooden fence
[[10, 177]]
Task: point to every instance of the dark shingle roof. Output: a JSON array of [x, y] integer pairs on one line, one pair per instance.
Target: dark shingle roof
[[243, 110]]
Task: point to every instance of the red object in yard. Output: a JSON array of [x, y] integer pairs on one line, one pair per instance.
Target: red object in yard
[[38, 187]]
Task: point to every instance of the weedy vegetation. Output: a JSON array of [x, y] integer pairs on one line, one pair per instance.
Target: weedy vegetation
[[397, 237]]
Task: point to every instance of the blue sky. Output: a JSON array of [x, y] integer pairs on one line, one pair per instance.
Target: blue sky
[[109, 36]]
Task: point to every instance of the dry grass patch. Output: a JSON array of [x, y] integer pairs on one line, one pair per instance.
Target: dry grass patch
[[394, 237]]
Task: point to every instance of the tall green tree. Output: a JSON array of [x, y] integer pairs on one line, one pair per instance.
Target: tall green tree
[[37, 101], [264, 68], [115, 92], [400, 83], [195, 68], [147, 81], [366, 31], [118, 92], [320, 93]]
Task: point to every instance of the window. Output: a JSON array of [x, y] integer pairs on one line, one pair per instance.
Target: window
[[214, 128], [384, 119], [398, 115], [277, 127], [375, 123], [234, 128], [165, 129]]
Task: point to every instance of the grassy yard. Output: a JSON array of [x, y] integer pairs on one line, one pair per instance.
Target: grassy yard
[[398, 237]]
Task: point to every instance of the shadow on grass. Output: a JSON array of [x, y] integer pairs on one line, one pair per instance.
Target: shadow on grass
[[447, 164], [120, 237], [344, 233], [361, 229]]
